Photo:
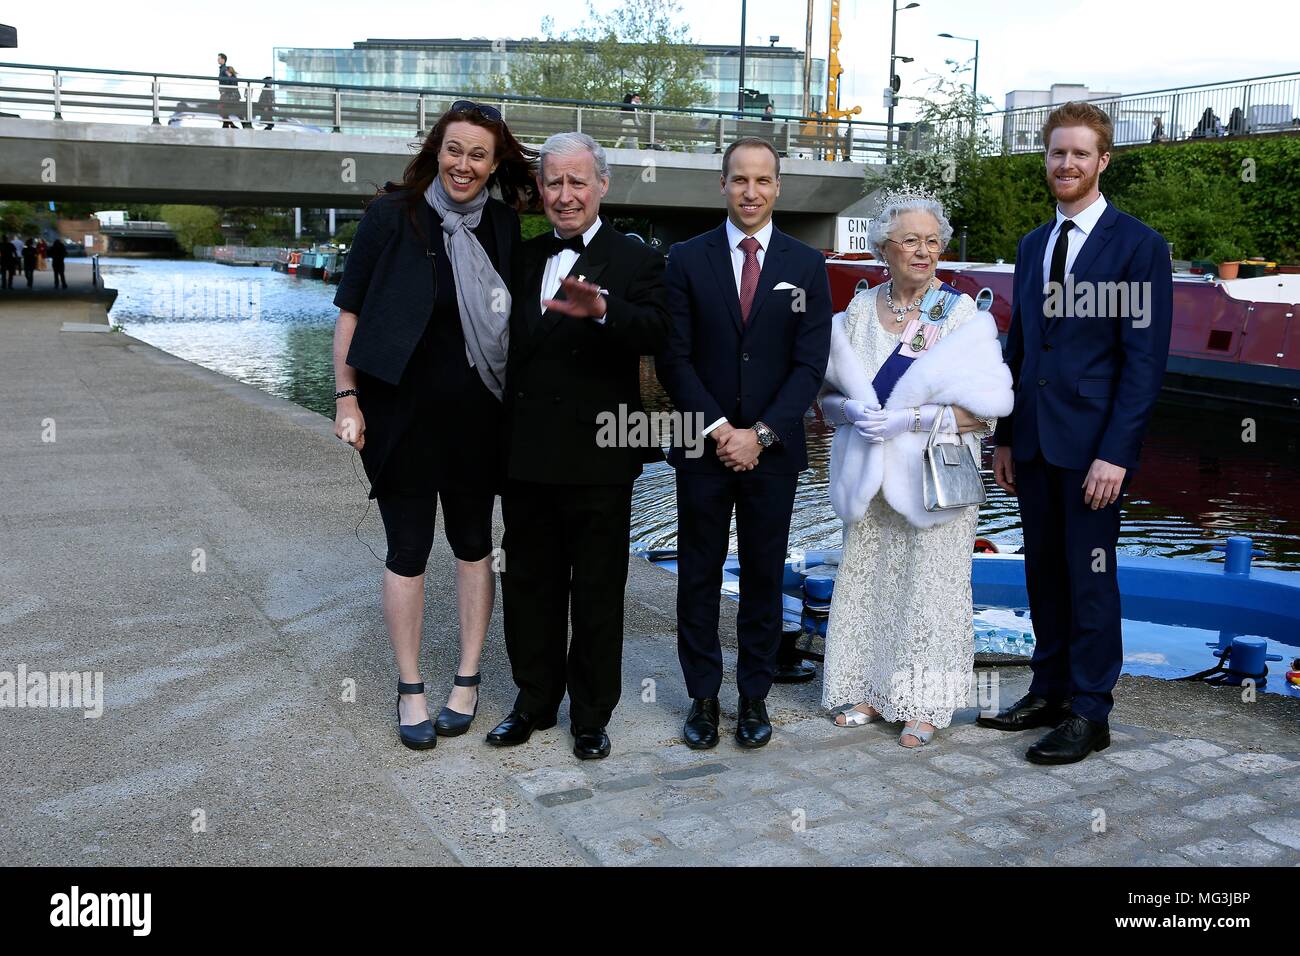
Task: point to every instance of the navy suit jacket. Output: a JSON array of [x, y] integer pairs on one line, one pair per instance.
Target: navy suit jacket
[[1086, 384], [768, 369]]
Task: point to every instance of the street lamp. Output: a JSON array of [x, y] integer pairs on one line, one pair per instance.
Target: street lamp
[[975, 80], [893, 34], [741, 93]]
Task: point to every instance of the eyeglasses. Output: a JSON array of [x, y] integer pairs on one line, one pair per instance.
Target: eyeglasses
[[469, 106], [912, 243]]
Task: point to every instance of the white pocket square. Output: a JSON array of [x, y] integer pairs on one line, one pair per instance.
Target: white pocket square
[[783, 285]]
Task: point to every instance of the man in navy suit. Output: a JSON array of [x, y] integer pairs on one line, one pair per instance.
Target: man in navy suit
[[1087, 346], [751, 312]]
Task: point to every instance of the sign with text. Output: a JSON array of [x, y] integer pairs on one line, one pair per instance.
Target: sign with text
[[851, 233]]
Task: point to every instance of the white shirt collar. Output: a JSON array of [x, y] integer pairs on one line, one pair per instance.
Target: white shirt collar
[[734, 235], [1086, 220], [586, 236]]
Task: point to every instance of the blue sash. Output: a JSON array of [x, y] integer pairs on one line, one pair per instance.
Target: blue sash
[[935, 308]]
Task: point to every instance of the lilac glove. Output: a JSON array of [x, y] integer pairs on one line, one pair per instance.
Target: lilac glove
[[883, 424], [857, 411], [880, 426]]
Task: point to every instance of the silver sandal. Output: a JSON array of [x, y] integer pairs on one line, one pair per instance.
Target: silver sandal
[[921, 735], [856, 718]]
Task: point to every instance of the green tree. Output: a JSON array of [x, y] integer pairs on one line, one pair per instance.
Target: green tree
[[193, 225], [640, 47]]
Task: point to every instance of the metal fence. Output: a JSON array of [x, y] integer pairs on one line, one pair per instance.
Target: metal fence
[[306, 109], [1263, 104]]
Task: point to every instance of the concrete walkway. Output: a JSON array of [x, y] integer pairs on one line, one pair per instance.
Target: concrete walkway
[[231, 735]]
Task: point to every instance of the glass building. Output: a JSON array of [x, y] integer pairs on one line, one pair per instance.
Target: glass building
[[471, 65]]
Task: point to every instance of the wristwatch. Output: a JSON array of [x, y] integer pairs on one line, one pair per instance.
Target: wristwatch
[[766, 437]]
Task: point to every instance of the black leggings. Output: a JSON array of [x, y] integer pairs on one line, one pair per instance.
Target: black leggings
[[409, 524]]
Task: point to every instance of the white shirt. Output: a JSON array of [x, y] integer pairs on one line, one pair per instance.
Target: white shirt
[[734, 239], [558, 266], [1084, 223]]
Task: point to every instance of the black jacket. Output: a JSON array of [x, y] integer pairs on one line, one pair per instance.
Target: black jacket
[[387, 281], [563, 372]]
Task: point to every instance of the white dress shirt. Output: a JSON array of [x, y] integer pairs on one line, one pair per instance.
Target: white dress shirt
[[558, 266], [734, 239], [1084, 223]]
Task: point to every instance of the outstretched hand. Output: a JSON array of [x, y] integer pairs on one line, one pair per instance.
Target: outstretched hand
[[582, 300]]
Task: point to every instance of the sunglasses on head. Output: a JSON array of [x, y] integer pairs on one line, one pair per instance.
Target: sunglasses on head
[[469, 106]]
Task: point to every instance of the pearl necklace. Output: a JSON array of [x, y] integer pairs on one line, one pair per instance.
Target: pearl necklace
[[902, 313]]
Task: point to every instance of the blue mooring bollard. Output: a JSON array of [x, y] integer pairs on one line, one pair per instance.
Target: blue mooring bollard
[[1237, 554], [1247, 660]]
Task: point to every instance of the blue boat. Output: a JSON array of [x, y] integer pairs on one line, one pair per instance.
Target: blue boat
[[1180, 616]]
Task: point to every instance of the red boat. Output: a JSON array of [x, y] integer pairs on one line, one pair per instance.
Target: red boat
[[1233, 339]]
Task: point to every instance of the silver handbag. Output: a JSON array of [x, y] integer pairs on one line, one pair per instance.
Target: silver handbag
[[951, 476]]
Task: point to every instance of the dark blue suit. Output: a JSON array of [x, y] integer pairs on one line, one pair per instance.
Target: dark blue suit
[[1085, 385], [768, 369]]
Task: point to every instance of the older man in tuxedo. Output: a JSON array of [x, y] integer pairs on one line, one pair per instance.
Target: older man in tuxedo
[[751, 310], [589, 302]]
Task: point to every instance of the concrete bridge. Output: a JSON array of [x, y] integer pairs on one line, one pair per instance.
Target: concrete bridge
[[117, 163]]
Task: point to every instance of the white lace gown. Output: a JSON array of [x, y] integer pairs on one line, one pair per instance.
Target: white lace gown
[[900, 635]]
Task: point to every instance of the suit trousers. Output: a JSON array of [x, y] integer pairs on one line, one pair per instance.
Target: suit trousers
[[566, 543], [763, 503], [1073, 587]]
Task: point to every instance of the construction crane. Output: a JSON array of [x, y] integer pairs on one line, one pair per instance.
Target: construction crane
[[834, 70]]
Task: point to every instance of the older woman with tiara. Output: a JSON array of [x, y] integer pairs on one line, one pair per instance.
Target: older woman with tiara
[[906, 354]]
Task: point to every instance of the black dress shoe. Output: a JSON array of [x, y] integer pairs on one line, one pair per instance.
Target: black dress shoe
[[1027, 713], [1074, 739], [452, 723], [518, 727], [701, 729], [590, 743], [791, 668], [753, 728], [421, 736], [794, 672]]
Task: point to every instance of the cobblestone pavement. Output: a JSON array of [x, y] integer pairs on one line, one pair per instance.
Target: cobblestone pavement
[[823, 795]]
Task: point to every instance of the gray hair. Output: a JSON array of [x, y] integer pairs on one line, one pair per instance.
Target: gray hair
[[565, 144], [893, 207]]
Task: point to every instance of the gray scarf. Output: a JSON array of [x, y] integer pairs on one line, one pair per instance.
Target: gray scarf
[[484, 299]]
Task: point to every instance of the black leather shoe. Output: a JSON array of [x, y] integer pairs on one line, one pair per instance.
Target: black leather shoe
[[791, 668], [421, 736], [1027, 713], [452, 723], [518, 727], [753, 729], [1070, 742], [590, 743], [701, 729], [794, 672]]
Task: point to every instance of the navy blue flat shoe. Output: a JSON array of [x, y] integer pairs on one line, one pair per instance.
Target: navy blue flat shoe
[[419, 736], [452, 723]]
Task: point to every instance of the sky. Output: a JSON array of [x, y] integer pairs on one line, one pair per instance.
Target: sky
[[1113, 46]]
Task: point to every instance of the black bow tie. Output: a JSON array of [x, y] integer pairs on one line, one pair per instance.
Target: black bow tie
[[557, 245]]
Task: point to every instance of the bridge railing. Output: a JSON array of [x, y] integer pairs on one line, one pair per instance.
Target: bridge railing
[[290, 107], [1262, 104]]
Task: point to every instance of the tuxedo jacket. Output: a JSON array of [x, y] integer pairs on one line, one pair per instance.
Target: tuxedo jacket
[[567, 376], [1087, 377], [768, 369]]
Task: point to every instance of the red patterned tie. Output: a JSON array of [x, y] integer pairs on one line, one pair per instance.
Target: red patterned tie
[[748, 276]]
